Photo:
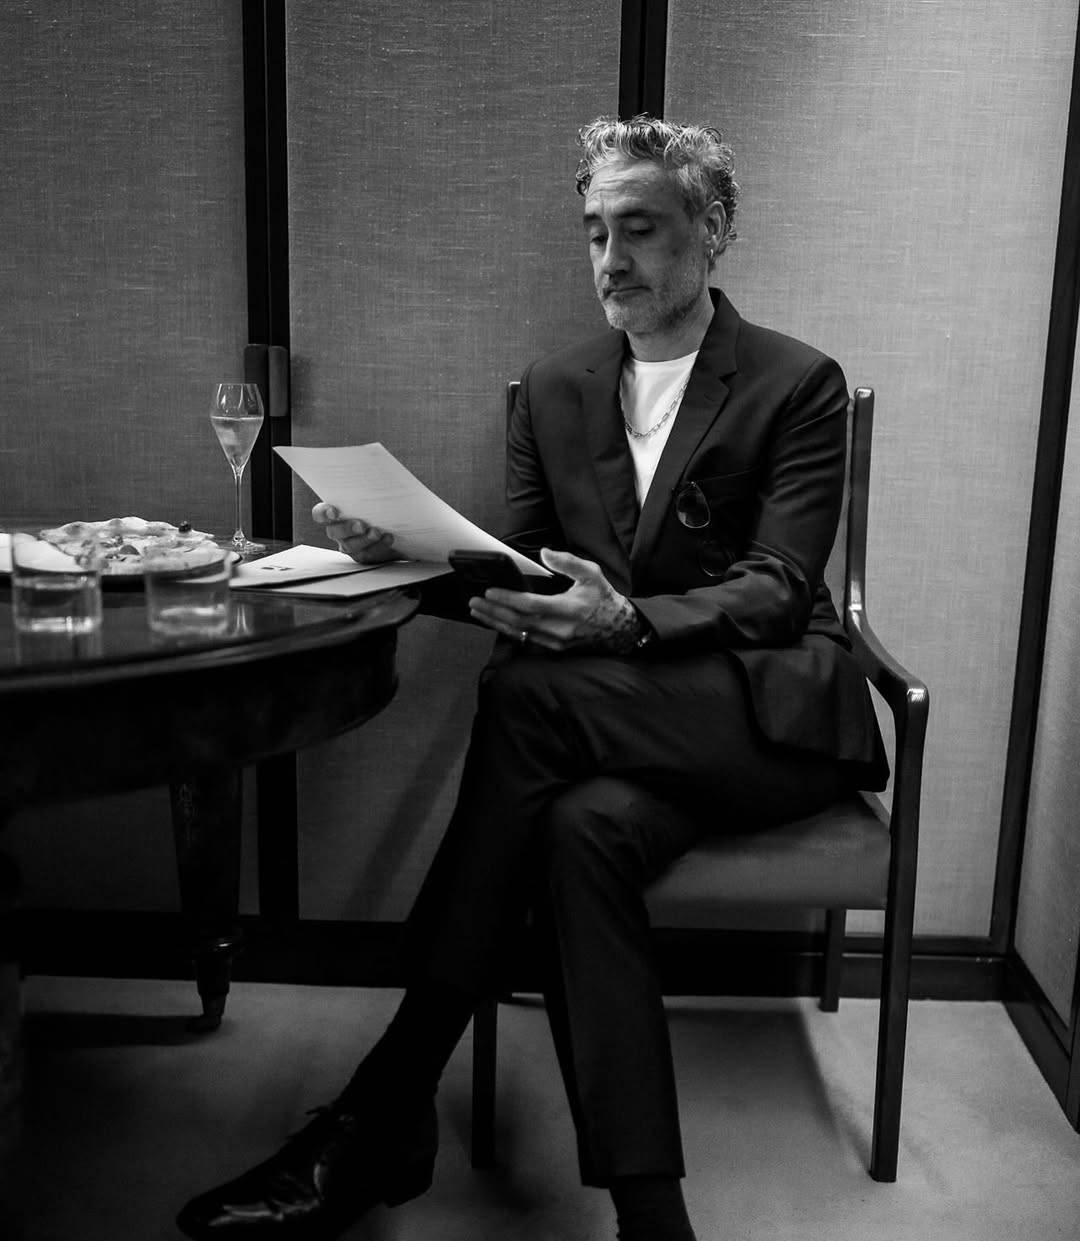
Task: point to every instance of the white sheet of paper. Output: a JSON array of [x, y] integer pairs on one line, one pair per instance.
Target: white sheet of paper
[[302, 563], [378, 577], [369, 482]]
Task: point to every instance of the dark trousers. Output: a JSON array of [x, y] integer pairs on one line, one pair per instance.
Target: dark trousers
[[586, 776]]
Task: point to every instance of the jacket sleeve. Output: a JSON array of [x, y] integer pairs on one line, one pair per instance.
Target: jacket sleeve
[[529, 501], [766, 596]]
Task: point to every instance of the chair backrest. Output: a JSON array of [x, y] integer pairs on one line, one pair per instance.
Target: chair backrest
[[845, 571]]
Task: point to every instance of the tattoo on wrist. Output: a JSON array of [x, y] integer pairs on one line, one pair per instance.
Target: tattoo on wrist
[[627, 629]]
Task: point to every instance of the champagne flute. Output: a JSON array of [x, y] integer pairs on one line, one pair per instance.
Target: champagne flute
[[236, 414]]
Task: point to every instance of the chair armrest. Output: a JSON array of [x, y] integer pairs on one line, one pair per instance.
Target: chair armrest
[[909, 701], [907, 696]]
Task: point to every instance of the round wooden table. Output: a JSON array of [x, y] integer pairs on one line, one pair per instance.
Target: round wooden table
[[124, 709]]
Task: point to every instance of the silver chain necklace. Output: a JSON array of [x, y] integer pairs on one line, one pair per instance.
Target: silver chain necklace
[[644, 435]]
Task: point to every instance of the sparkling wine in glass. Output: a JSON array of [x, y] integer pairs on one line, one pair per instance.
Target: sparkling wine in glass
[[236, 415]]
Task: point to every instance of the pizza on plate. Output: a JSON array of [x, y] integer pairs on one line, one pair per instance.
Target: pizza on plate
[[124, 541]]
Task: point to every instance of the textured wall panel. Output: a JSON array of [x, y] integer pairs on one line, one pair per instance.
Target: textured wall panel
[[435, 249], [901, 166], [122, 298], [1048, 916], [121, 255]]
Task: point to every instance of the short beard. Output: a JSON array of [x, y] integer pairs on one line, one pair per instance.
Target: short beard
[[653, 319]]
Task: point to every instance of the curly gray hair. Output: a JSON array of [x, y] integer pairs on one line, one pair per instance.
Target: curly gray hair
[[701, 163]]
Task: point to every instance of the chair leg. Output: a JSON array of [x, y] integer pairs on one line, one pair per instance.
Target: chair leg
[[485, 1030], [892, 1039], [834, 959]]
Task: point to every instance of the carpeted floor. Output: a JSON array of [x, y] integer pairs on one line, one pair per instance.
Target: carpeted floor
[[126, 1115]]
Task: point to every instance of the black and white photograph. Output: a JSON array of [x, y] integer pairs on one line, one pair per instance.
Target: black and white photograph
[[539, 659]]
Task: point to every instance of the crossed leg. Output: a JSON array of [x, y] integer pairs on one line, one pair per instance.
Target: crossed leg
[[586, 777]]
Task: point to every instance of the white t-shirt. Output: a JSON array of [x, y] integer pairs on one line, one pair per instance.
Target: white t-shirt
[[646, 391]]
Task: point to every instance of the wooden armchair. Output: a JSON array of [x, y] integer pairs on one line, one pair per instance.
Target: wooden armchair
[[856, 855]]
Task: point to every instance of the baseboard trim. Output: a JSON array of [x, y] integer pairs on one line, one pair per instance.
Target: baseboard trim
[[1043, 1031], [369, 954]]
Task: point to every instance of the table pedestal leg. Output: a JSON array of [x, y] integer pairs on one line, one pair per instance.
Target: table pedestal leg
[[10, 1048], [206, 828]]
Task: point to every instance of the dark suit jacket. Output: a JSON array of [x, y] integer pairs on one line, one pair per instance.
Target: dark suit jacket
[[762, 431]]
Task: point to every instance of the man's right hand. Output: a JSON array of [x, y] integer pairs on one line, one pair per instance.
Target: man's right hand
[[365, 544]]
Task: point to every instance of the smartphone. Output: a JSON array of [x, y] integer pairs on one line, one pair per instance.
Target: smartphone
[[478, 570]]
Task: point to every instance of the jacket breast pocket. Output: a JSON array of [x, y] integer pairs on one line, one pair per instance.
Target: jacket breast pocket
[[717, 514]]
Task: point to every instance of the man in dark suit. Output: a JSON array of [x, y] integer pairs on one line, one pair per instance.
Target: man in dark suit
[[684, 473]]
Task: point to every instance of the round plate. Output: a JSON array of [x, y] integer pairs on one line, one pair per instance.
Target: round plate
[[134, 581], [121, 581]]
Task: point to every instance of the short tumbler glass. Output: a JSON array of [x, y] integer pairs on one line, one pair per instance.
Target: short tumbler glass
[[186, 601], [55, 590]]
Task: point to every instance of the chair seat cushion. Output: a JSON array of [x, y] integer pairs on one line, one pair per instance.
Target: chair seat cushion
[[836, 859]]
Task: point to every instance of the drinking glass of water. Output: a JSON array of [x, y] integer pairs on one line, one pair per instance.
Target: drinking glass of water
[[187, 600], [236, 414], [53, 589]]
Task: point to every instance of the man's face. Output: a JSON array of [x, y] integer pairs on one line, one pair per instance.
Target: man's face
[[648, 255]]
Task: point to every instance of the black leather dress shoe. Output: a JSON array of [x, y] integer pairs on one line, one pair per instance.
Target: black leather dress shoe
[[324, 1177]]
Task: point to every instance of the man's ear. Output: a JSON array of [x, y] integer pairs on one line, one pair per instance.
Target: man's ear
[[715, 221]]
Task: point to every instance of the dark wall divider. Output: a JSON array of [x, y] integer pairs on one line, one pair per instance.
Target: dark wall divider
[[267, 195], [642, 57], [1045, 501], [1055, 1045]]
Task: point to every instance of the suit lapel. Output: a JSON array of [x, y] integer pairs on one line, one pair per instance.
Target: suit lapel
[[701, 406], [606, 439]]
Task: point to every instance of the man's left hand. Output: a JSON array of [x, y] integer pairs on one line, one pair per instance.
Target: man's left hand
[[590, 614]]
